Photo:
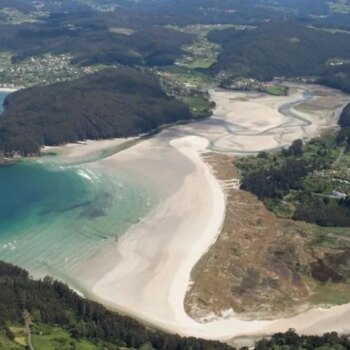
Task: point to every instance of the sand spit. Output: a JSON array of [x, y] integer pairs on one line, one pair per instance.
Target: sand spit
[[248, 122], [88, 151], [146, 274], [10, 89]]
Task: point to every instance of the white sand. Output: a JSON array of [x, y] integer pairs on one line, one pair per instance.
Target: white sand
[[245, 122], [147, 274], [9, 89], [151, 278], [150, 267], [78, 152]]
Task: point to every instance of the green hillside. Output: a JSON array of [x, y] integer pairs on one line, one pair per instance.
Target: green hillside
[[114, 103]]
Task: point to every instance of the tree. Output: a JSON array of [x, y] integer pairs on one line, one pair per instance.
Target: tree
[[296, 148]]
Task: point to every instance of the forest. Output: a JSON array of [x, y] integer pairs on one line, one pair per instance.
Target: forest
[[344, 122], [52, 304], [284, 50], [113, 103], [284, 44], [87, 37], [296, 177], [292, 341]]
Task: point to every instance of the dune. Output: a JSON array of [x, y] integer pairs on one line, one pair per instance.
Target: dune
[[147, 273]]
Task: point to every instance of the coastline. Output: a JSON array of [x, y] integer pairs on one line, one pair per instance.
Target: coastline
[[146, 276], [156, 250], [146, 273], [11, 89], [138, 280]]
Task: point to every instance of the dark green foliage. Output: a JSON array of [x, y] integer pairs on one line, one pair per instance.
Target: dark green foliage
[[279, 50], [47, 5], [114, 103], [54, 304], [87, 37], [292, 341], [276, 182], [296, 149], [337, 77], [323, 211], [272, 185], [344, 122]]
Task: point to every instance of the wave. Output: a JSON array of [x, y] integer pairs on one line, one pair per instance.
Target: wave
[[88, 175]]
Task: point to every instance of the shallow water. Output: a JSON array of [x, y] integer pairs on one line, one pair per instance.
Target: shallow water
[[52, 218], [2, 98]]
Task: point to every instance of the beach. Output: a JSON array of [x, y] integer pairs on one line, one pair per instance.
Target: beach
[[146, 272], [8, 90], [250, 122]]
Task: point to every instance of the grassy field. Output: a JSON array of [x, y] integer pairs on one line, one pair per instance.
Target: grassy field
[[275, 90], [202, 53], [199, 105], [7, 344], [326, 248], [44, 338], [186, 79], [60, 339]]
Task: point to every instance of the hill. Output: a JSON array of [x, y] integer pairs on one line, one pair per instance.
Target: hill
[[307, 182], [51, 305], [113, 103], [58, 318], [122, 37], [283, 50]]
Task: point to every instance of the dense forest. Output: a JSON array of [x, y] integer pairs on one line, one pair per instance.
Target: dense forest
[[275, 48], [344, 122], [50, 303], [77, 28], [46, 5], [113, 103], [53, 303], [283, 50], [89, 39], [292, 341], [284, 177]]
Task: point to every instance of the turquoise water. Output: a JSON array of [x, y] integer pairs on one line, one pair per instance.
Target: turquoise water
[[2, 98], [53, 217]]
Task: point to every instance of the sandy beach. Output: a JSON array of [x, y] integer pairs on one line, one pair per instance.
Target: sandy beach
[[147, 273], [10, 89], [249, 122]]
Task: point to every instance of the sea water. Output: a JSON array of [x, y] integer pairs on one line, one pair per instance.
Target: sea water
[[2, 98], [53, 217]]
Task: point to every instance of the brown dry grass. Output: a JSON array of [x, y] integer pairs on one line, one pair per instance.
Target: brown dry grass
[[260, 265]]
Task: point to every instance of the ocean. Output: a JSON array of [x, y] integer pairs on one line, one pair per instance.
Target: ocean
[[2, 98], [53, 216]]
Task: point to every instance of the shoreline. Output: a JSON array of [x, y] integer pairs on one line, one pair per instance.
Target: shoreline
[[137, 255], [145, 304], [9, 90], [146, 274]]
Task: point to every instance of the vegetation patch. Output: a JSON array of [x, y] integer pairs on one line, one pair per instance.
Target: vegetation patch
[[113, 103], [248, 84], [305, 182], [200, 105], [295, 264]]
